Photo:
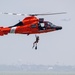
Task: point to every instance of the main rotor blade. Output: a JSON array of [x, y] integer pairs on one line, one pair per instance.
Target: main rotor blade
[[32, 14], [47, 14], [13, 14]]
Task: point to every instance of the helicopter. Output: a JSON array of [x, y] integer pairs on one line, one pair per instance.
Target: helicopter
[[30, 25]]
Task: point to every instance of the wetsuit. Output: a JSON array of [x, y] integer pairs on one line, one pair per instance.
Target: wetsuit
[[36, 41]]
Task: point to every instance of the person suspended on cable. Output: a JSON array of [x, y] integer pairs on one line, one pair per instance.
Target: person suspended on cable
[[35, 42]]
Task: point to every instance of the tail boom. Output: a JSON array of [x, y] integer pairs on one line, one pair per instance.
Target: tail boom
[[4, 31]]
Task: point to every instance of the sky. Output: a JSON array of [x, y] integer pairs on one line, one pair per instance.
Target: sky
[[54, 48]]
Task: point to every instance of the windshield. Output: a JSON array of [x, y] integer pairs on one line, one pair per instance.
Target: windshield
[[50, 24]]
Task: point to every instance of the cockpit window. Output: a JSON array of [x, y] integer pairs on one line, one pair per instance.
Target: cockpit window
[[50, 24]]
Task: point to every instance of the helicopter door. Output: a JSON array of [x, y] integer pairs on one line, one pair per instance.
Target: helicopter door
[[41, 26]]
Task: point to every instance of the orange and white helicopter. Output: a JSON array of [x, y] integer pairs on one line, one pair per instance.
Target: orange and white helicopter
[[30, 25]]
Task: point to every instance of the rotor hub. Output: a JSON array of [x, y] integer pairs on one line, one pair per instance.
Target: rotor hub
[[41, 20]]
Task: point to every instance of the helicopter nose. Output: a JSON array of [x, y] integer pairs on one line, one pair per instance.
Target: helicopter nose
[[58, 28]]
